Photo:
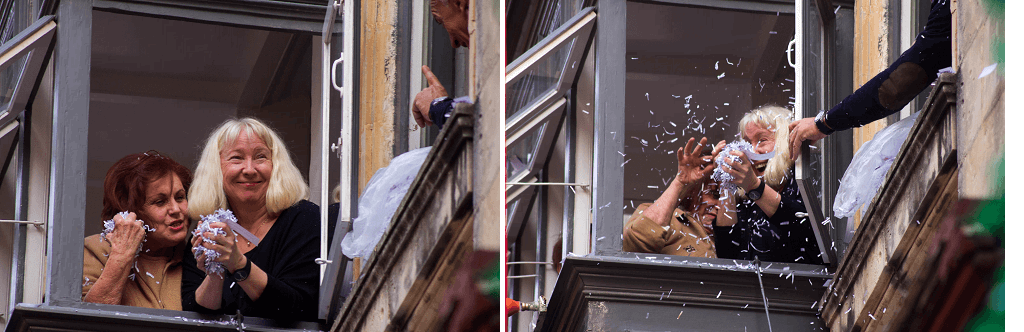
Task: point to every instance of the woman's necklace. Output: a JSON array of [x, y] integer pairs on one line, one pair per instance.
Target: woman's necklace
[[266, 221]]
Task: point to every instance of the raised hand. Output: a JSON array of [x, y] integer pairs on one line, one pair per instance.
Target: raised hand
[[126, 236], [421, 104], [742, 171], [690, 161]]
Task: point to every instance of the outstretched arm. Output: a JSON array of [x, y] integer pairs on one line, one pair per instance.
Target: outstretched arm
[[892, 89]]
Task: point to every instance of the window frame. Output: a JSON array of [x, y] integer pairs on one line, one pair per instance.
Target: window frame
[[71, 97], [547, 112], [609, 128], [36, 42]]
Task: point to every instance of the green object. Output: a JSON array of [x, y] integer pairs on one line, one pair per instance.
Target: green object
[[992, 218], [489, 281]]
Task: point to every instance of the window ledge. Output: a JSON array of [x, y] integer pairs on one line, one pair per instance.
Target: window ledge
[[607, 293], [893, 241], [429, 235], [96, 317]]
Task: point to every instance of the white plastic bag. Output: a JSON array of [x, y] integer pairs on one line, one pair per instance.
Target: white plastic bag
[[379, 202], [868, 168]]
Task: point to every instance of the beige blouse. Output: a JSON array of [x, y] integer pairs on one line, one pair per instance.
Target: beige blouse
[[157, 281], [682, 238]]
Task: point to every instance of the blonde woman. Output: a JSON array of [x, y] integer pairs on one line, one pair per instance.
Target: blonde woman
[[760, 221], [246, 168]]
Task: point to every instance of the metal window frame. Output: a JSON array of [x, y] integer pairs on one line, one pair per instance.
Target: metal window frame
[[71, 112], [609, 127], [35, 43], [548, 111], [581, 25]]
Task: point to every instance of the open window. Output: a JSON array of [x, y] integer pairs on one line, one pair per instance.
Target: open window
[[671, 70], [25, 50], [536, 99], [131, 77]]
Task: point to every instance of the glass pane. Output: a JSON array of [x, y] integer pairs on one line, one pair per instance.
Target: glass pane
[[16, 19], [510, 211], [9, 78], [519, 156], [557, 13], [536, 83]]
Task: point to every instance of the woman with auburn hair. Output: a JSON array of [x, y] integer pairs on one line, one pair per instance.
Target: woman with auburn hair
[[246, 169], [127, 265], [761, 219]]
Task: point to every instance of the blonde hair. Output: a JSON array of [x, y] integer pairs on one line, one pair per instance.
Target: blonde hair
[[286, 185], [776, 119]]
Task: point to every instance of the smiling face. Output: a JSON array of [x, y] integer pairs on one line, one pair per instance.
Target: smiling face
[[454, 18], [763, 141], [246, 167], [166, 211], [707, 209]]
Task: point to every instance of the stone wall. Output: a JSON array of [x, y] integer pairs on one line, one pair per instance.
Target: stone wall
[[980, 101]]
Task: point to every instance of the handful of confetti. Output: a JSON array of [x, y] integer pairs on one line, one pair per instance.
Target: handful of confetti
[[108, 227], [723, 178], [221, 215]]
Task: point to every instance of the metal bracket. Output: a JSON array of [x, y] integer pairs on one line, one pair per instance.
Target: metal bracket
[[323, 261], [336, 148], [514, 263], [36, 223], [547, 184]]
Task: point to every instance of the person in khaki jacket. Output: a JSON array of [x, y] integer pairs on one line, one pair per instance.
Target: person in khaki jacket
[[664, 227]]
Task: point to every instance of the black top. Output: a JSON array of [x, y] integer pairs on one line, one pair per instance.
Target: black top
[[781, 238], [896, 86], [287, 254]]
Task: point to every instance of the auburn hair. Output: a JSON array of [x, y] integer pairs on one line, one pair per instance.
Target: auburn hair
[[124, 187]]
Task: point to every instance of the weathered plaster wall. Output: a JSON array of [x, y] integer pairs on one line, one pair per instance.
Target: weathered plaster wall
[[486, 70], [871, 54], [981, 104], [377, 86]]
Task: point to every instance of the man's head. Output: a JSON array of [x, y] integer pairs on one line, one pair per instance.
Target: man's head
[[454, 16], [767, 129], [701, 201]]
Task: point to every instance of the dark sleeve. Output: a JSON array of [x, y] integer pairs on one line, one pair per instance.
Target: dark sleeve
[[292, 290], [727, 241], [191, 278], [896, 86], [439, 112], [789, 204]]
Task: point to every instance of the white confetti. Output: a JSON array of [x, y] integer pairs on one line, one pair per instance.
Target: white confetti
[[988, 70]]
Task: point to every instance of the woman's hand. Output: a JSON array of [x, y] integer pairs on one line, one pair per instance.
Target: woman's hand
[[126, 236], [226, 245], [714, 153], [742, 171], [690, 170]]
